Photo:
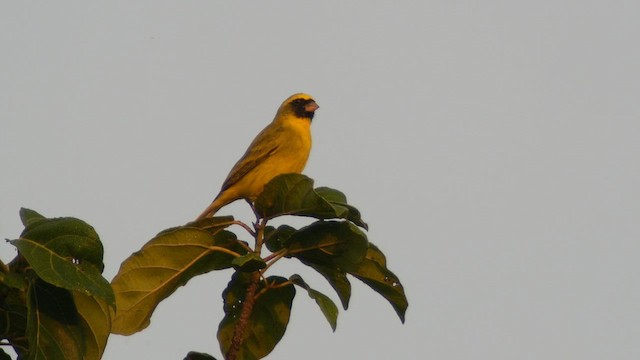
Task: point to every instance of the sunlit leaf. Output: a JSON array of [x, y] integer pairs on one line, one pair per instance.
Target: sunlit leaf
[[373, 272], [95, 322], [53, 330], [327, 306], [61, 271], [211, 224], [165, 263], [268, 320]]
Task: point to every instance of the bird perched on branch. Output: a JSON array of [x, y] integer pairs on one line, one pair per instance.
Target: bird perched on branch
[[280, 148]]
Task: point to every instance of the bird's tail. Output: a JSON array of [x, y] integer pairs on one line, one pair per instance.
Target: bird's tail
[[211, 209]]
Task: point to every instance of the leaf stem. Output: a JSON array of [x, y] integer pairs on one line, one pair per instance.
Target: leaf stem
[[282, 284], [272, 259], [224, 250], [244, 245], [262, 224], [245, 226], [280, 253], [271, 286]]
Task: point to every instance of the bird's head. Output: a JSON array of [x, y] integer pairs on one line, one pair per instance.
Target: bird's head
[[300, 105]]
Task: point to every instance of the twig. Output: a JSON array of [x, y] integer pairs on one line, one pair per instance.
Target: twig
[[243, 321], [245, 226]]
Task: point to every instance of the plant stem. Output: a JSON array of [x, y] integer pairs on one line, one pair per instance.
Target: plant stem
[[250, 295], [243, 321], [245, 226]]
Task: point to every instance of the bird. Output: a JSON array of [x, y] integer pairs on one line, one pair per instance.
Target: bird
[[282, 147]]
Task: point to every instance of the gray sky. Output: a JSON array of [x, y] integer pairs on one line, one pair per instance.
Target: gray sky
[[492, 147]]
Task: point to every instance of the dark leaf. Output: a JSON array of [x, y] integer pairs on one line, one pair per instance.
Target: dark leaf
[[53, 330], [192, 355], [165, 263], [13, 319], [337, 278], [293, 194], [373, 272], [277, 239], [338, 199], [4, 355], [327, 306], [14, 280], [268, 320], [330, 248], [248, 263], [328, 243]]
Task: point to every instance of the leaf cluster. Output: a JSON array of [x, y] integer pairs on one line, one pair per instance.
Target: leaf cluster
[[257, 306], [54, 302]]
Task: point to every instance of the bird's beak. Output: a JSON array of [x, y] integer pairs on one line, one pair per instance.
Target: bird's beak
[[311, 107]]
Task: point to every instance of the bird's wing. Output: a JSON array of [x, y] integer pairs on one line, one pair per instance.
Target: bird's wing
[[259, 150]]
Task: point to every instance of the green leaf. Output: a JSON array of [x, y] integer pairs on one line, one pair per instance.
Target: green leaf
[[61, 271], [4, 355], [338, 199], [268, 320], [95, 321], [329, 243], [248, 263], [373, 272], [288, 194], [192, 355], [330, 247], [211, 224], [67, 237], [165, 263], [327, 306], [53, 329], [337, 278], [14, 280], [277, 239], [293, 194], [13, 319], [28, 216]]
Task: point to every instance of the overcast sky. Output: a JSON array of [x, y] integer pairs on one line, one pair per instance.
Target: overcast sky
[[493, 148]]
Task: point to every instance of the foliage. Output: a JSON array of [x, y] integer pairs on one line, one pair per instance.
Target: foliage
[[54, 302], [257, 306]]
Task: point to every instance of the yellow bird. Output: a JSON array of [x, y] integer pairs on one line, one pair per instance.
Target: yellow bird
[[280, 148]]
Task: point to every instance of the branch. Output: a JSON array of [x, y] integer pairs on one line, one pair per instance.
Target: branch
[[243, 321], [250, 296]]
